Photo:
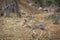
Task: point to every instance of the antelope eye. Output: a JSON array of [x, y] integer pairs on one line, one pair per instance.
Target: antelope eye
[[41, 25], [42, 28]]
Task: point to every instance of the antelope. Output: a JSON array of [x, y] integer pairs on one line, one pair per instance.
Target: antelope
[[34, 26]]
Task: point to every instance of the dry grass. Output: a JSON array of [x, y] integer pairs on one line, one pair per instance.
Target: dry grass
[[11, 29]]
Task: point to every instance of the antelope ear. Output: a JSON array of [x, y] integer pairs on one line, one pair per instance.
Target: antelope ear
[[56, 23]]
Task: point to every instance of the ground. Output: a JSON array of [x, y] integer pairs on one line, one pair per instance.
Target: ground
[[11, 28]]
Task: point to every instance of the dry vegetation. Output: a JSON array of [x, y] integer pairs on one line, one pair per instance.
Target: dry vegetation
[[11, 28]]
